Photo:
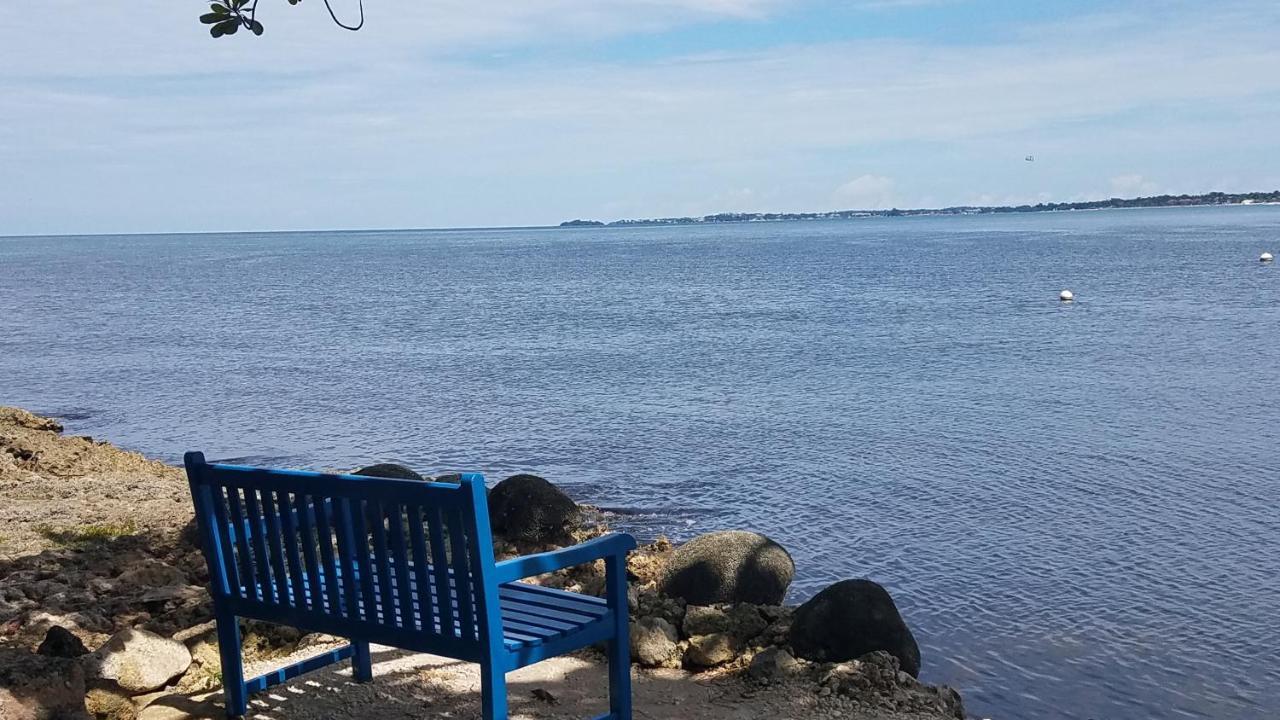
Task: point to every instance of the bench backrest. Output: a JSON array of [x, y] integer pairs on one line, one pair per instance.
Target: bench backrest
[[399, 562]]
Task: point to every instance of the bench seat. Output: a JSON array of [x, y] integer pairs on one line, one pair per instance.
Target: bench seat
[[531, 614]]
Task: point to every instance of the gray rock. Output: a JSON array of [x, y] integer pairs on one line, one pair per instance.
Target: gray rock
[[388, 470], [743, 622], [40, 687], [772, 665], [139, 661], [705, 620], [528, 508], [849, 620], [876, 680], [152, 573], [729, 567], [711, 650], [653, 641]]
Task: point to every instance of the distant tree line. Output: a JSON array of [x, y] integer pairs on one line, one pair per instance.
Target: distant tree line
[[1213, 198]]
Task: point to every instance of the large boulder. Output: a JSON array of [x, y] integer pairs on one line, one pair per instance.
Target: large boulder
[[388, 470], [729, 567], [139, 661], [40, 687], [849, 620], [531, 509]]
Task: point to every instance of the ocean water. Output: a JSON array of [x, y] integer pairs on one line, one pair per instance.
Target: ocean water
[[1074, 505]]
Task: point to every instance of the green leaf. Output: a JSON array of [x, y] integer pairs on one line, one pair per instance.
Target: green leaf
[[226, 27], [219, 9], [212, 18], [234, 26], [217, 31], [256, 27]]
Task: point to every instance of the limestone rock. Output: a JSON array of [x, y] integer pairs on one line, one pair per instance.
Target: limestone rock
[[61, 642], [139, 661], [653, 641], [110, 703], [710, 650], [850, 619], [531, 509], [729, 567]]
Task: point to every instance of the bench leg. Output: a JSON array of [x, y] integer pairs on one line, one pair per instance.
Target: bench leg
[[233, 689], [493, 691], [361, 661], [620, 645]]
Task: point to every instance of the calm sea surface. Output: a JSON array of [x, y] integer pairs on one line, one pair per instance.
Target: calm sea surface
[[1075, 506]]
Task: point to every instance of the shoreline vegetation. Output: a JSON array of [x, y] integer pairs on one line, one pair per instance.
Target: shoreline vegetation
[[1155, 201], [105, 613]]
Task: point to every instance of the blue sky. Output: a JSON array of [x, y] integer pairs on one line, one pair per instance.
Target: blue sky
[[446, 113]]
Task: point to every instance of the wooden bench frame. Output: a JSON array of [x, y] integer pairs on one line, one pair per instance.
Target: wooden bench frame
[[293, 548]]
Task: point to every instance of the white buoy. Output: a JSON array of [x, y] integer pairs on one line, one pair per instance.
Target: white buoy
[[1066, 296], [1265, 257]]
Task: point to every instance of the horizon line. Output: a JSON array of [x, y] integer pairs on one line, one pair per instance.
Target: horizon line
[[628, 223]]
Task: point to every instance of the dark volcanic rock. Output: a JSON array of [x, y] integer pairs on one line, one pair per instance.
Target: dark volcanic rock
[[849, 620], [729, 567], [389, 470], [60, 642], [529, 508]]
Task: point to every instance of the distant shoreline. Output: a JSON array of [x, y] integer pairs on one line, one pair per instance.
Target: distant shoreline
[[1157, 201]]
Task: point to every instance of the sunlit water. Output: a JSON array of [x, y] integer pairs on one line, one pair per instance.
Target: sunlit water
[[1075, 506]]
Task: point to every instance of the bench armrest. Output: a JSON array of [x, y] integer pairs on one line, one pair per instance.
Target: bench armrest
[[530, 565]]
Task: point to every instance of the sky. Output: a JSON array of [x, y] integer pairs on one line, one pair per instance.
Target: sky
[[459, 113]]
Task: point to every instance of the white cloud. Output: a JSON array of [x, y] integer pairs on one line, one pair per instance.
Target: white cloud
[[866, 192], [393, 126], [1133, 184]]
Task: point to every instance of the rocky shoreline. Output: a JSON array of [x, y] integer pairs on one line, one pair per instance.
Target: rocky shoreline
[[104, 612]]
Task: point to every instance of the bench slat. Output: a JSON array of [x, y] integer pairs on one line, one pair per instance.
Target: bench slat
[[261, 562], [376, 514], [307, 535], [271, 513], [346, 551], [323, 508], [427, 612], [292, 553], [230, 564], [461, 576], [400, 565], [440, 589], [241, 548]]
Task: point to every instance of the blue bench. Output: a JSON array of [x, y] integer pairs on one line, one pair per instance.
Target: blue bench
[[394, 562]]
